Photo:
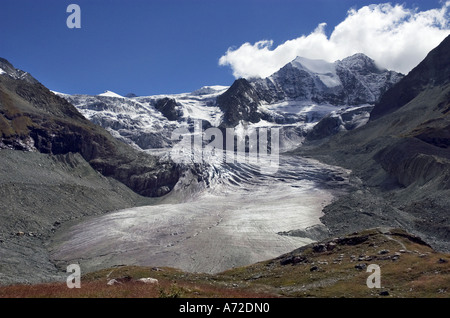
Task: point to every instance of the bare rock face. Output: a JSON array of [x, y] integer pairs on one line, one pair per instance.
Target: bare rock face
[[12, 72], [167, 106], [339, 121], [363, 81], [239, 102]]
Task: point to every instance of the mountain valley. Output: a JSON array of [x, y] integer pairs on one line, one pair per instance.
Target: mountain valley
[[90, 180]]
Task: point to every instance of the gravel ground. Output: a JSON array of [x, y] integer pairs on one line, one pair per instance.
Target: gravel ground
[[38, 194]]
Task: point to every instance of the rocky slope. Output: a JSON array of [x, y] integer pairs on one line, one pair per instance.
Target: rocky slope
[[433, 71], [33, 118], [339, 121], [239, 103], [40, 192], [10, 70], [401, 157]]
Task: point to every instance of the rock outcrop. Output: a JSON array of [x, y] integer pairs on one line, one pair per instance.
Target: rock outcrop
[[239, 102], [167, 107]]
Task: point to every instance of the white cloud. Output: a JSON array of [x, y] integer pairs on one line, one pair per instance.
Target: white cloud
[[398, 38]]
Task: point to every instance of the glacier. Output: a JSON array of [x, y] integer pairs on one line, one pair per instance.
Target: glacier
[[222, 215]]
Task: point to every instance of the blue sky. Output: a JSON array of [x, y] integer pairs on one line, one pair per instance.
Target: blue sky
[[153, 47]]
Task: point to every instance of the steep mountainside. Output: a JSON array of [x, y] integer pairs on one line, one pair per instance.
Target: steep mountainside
[[341, 120], [33, 118], [433, 71], [240, 102], [402, 156], [9, 69]]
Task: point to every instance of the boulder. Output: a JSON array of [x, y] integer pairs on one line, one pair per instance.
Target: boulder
[[112, 282], [148, 280], [361, 266]]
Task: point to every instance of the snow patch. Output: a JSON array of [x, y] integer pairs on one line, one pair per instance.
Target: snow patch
[[59, 93], [110, 94], [208, 90], [315, 66], [330, 80], [325, 71]]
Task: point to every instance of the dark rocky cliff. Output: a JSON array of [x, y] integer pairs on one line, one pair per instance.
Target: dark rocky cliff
[[433, 71], [239, 102]]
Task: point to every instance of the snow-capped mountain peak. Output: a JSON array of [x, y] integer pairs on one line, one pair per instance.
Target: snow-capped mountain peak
[[321, 70], [361, 62], [110, 94], [208, 90], [313, 65], [355, 80]]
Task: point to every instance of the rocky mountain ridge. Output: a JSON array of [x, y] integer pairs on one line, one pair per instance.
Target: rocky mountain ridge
[[33, 118]]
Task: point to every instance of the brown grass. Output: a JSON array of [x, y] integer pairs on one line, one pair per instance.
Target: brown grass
[[21, 124], [417, 273], [6, 130], [7, 106], [171, 284]]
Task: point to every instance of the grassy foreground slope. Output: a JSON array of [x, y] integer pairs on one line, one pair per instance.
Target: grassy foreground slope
[[333, 268]]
